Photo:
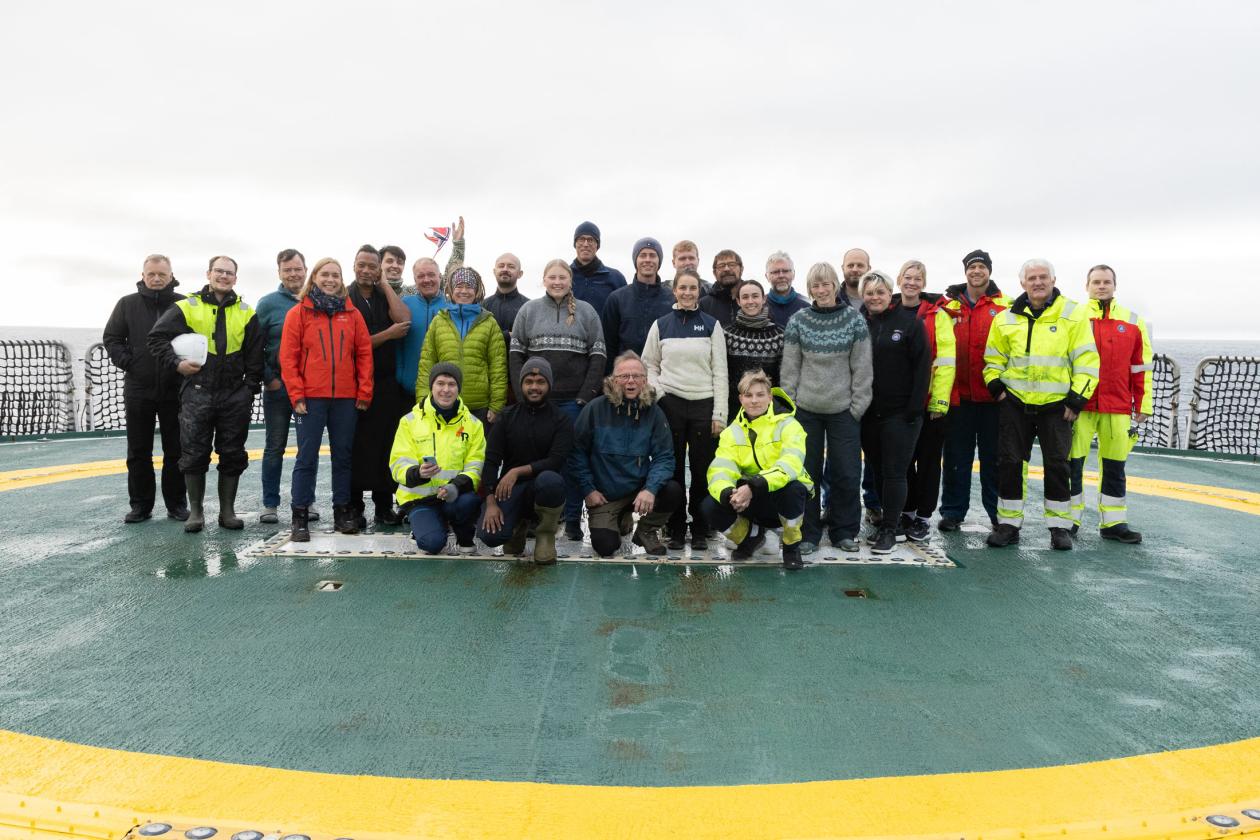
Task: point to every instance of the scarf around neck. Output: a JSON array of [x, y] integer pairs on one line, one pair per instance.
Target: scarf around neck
[[326, 303], [753, 322]]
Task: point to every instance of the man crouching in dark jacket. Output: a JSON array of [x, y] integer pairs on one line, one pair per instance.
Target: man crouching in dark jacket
[[528, 444], [623, 461], [148, 391]]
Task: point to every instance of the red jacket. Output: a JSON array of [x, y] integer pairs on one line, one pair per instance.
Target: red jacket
[[971, 333], [324, 355], [1125, 361]]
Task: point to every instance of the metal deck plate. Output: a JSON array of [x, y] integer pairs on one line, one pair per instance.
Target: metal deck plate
[[326, 543]]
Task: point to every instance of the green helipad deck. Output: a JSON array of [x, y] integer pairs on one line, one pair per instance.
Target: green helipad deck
[[651, 678]]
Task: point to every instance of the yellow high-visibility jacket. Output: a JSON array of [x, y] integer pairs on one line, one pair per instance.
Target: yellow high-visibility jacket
[[458, 444], [771, 446], [940, 331], [1043, 360]]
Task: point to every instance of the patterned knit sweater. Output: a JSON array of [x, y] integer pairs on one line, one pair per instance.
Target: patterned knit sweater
[[827, 361], [575, 351], [751, 347]]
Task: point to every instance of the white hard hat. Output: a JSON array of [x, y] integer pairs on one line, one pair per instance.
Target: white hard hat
[[191, 347]]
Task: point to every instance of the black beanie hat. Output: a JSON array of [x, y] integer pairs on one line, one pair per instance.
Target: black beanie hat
[[978, 256], [446, 369], [587, 229]]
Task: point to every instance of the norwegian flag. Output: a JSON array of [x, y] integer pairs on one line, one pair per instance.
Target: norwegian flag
[[439, 237]]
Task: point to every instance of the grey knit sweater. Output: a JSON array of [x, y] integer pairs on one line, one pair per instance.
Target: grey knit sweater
[[827, 361], [575, 350]]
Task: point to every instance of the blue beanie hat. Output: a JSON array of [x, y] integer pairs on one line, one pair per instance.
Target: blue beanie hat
[[586, 229], [647, 242]]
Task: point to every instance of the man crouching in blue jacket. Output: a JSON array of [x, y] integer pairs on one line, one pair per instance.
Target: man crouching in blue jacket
[[623, 460]]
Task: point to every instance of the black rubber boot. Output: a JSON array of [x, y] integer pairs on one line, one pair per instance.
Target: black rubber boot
[[301, 531], [136, 514], [227, 502], [1060, 539], [751, 544], [196, 485], [792, 557], [345, 520]]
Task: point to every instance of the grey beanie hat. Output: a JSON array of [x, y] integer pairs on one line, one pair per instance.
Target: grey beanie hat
[[540, 366], [447, 369], [647, 242]]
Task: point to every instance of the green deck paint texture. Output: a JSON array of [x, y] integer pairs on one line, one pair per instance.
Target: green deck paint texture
[[144, 638]]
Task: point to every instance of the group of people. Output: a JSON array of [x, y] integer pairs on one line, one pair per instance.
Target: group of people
[[669, 410]]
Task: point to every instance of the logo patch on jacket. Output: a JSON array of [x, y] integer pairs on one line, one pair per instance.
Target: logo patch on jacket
[[1054, 329], [1120, 328], [992, 312], [896, 336]]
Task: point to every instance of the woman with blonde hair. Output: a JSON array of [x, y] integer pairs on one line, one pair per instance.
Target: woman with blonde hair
[[567, 333], [467, 334], [326, 364], [827, 371], [890, 427]]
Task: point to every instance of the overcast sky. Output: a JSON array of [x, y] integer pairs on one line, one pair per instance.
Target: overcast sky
[[1118, 132]]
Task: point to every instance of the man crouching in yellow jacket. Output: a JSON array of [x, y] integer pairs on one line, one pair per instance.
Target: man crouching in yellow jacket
[[439, 451], [758, 478]]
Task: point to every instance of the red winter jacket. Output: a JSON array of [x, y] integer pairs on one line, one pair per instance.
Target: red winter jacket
[[323, 356], [1125, 360], [971, 332]]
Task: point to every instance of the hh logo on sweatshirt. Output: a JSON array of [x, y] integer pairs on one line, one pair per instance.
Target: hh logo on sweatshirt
[[698, 328]]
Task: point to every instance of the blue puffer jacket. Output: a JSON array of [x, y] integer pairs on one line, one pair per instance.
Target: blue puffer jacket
[[594, 282], [630, 312], [621, 449]]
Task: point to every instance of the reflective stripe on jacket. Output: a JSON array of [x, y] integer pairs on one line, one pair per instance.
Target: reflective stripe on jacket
[[458, 444], [941, 341], [1125, 360], [771, 446], [1045, 359]]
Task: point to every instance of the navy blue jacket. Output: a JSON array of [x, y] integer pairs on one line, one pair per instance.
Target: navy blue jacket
[[594, 282], [621, 449], [629, 313], [781, 312]]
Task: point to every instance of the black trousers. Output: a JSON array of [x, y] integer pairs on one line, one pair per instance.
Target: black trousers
[[141, 485], [214, 418], [691, 424], [888, 444], [765, 509], [1017, 427], [373, 438], [923, 479]]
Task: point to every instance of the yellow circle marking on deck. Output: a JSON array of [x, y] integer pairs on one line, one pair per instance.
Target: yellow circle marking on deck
[[1164, 794], [1243, 501]]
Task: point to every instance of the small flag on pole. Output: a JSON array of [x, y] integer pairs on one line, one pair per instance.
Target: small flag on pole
[[438, 236]]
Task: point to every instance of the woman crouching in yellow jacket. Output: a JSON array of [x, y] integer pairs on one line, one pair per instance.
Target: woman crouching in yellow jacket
[[758, 478], [437, 457]]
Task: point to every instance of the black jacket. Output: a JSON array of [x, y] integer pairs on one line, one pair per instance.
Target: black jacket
[[504, 308], [629, 314], [126, 336], [719, 303], [901, 361], [227, 371], [541, 436]]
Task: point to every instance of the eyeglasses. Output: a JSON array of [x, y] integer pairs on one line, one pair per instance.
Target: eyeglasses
[[585, 240], [223, 272], [726, 265], [627, 377], [779, 272]]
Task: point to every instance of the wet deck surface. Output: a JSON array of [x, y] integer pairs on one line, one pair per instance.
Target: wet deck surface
[[147, 639]]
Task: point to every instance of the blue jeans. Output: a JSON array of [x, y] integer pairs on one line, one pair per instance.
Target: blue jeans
[[839, 434], [969, 426], [545, 490], [573, 498], [276, 413], [339, 417], [429, 521]]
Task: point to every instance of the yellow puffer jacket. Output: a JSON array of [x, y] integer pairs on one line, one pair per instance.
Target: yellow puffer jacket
[[1043, 360], [458, 444], [771, 446]]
